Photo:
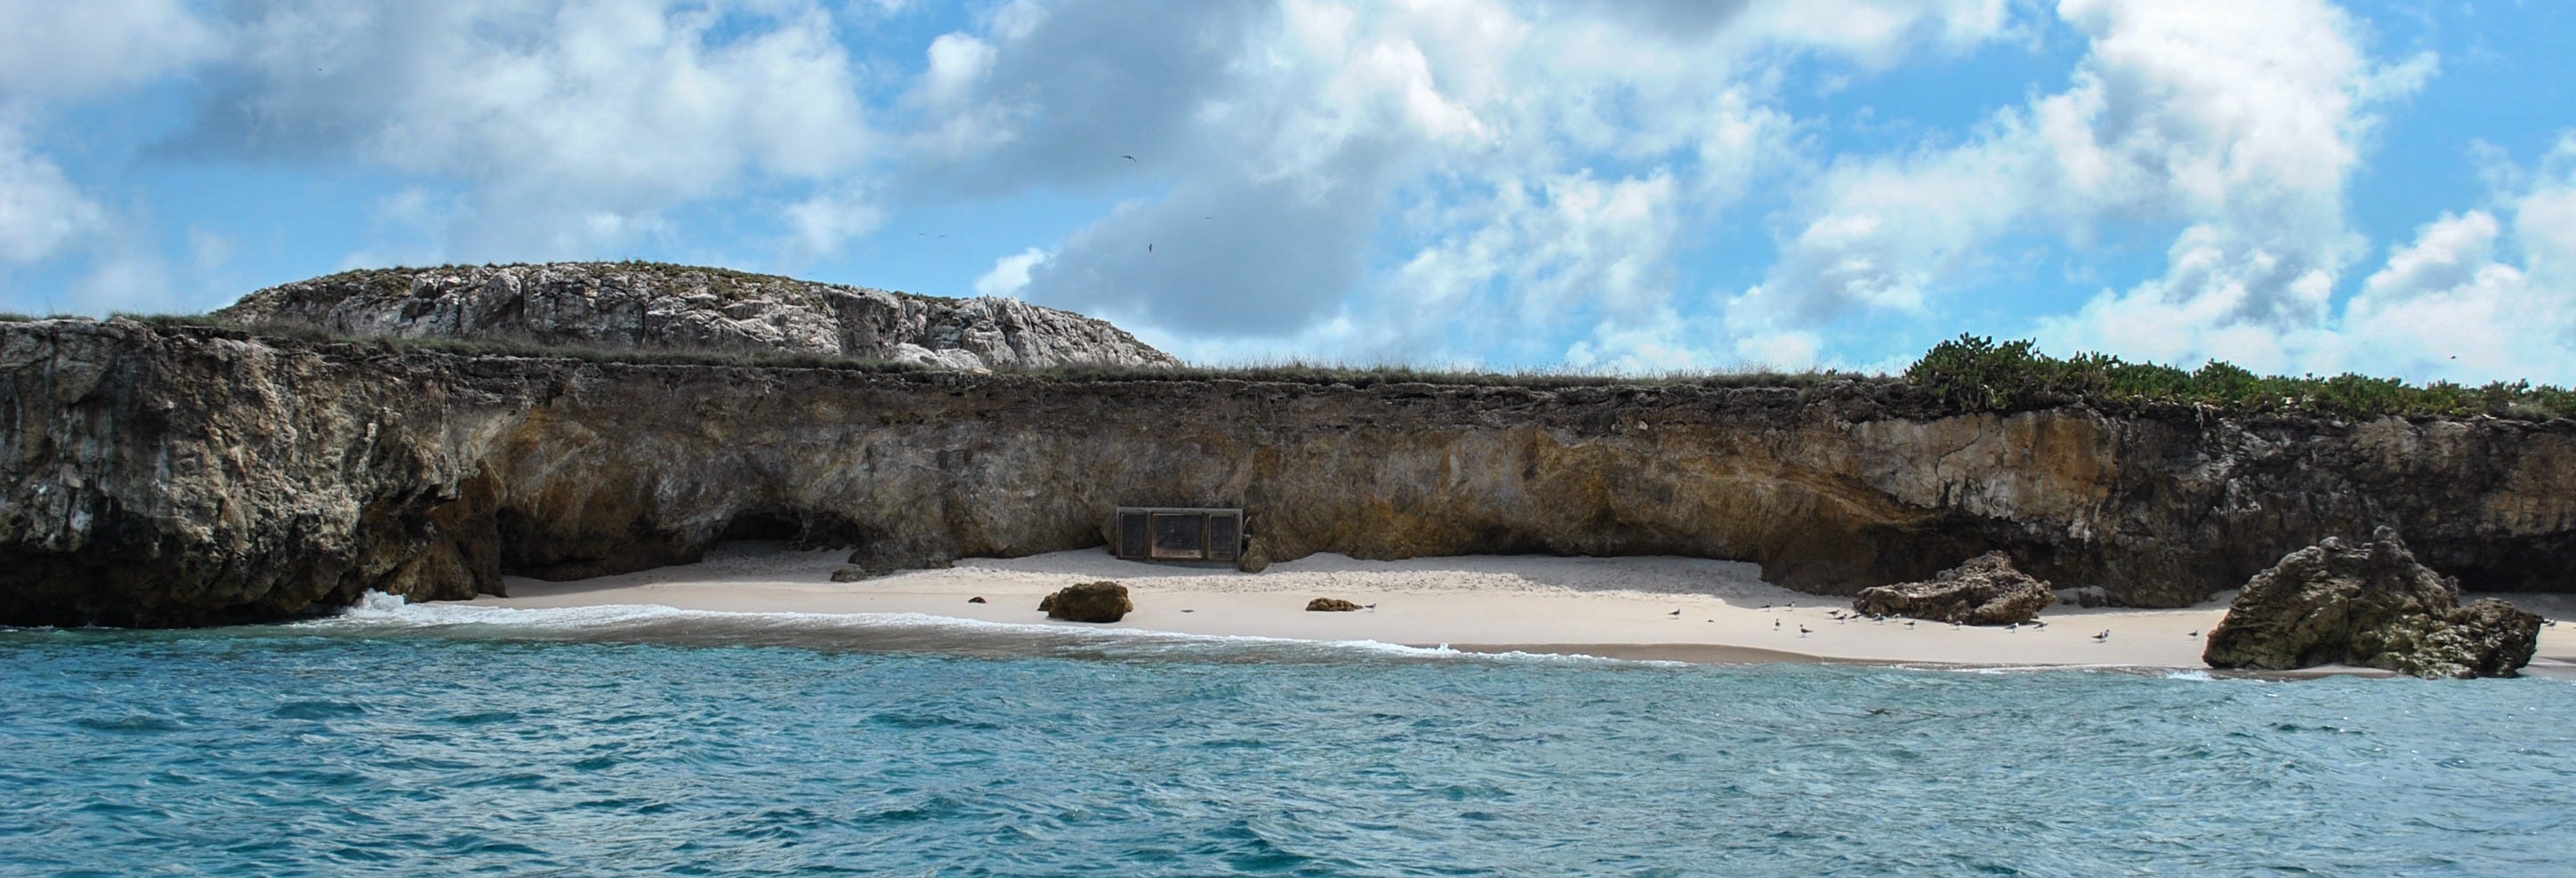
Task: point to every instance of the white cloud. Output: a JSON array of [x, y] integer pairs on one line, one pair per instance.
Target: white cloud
[[826, 221], [1009, 274], [41, 213], [2472, 298], [58, 50], [573, 124]]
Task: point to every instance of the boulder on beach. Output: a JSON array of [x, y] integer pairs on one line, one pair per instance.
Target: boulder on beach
[[1102, 601], [2370, 605], [1984, 591], [849, 574], [1331, 605]]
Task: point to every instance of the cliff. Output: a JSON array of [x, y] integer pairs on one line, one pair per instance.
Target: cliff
[[171, 475], [652, 306]]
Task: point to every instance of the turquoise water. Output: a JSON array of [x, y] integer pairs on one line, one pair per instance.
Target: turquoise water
[[437, 741]]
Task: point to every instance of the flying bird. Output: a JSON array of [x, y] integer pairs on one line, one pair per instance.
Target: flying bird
[[1149, 248], [1128, 157]]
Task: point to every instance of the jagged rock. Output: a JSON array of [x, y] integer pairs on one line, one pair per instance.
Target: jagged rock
[[1331, 605], [1089, 602], [1984, 591], [178, 475], [2370, 605], [851, 574], [645, 305]]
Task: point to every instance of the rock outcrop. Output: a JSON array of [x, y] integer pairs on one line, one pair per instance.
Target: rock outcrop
[[2371, 605], [175, 475], [645, 305], [1102, 601], [1984, 591], [1331, 605]]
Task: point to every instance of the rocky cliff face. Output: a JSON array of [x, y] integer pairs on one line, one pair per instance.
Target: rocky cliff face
[[641, 305], [173, 475]]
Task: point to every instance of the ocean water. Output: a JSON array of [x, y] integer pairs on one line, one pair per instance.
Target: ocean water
[[448, 740]]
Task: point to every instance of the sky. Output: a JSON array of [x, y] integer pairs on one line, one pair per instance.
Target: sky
[[1645, 186]]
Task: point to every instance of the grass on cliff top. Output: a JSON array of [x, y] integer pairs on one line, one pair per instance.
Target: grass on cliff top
[[1326, 373], [1972, 374]]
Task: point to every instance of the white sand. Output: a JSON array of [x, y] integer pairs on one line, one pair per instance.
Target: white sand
[[1617, 607]]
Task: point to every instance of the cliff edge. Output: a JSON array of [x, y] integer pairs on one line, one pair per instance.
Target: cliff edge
[[179, 475]]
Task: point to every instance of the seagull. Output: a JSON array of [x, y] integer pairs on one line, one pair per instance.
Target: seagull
[[1675, 613], [1909, 623], [1802, 631], [1775, 624], [2039, 624], [1149, 248], [2193, 634], [1368, 606], [2016, 626], [1189, 611], [1128, 157], [2105, 635]]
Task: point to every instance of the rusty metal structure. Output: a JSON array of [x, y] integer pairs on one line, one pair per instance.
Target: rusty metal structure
[[1171, 533]]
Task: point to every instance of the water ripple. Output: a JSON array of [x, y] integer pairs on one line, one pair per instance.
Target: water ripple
[[451, 748]]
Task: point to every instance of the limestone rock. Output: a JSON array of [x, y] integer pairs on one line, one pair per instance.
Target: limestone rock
[[1330, 605], [646, 305], [2087, 597], [2370, 605], [1089, 602], [1984, 591], [182, 475]]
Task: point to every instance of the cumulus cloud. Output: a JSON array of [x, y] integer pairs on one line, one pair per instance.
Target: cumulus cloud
[[1009, 274], [2241, 125], [55, 51], [573, 125], [2474, 298], [41, 212]]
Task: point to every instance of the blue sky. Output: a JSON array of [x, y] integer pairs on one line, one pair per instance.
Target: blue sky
[[2292, 185]]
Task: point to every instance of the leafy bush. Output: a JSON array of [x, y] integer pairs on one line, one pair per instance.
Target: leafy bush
[[1972, 374]]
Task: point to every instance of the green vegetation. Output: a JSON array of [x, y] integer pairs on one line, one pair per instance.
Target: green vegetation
[[1973, 373], [1967, 374]]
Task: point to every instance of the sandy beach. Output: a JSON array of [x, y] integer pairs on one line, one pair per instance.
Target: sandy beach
[[1667, 608]]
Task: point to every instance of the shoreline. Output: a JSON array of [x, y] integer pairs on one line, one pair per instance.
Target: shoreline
[[1689, 610]]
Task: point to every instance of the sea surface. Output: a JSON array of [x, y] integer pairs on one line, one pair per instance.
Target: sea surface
[[455, 740]]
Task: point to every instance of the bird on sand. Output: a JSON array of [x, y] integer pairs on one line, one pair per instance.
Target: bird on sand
[[2016, 626], [2039, 624], [1802, 631], [1775, 624], [2192, 634], [1368, 606], [1909, 623], [2105, 635], [1675, 613]]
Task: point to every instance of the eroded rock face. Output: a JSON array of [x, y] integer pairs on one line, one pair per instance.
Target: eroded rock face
[[1984, 591], [642, 305], [154, 475], [1102, 601], [2372, 605]]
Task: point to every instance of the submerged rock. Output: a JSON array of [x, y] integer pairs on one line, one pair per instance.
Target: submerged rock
[[1102, 601], [1331, 605], [2370, 605], [1984, 591]]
